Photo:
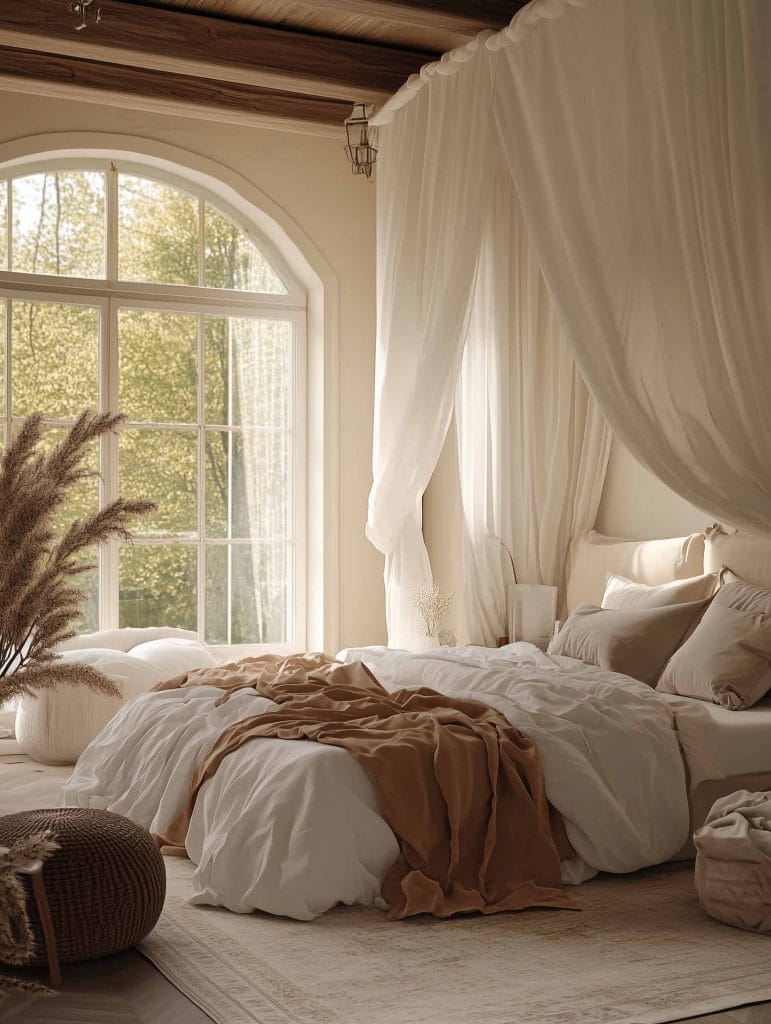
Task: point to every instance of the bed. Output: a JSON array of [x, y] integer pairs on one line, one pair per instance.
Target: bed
[[724, 751], [293, 828]]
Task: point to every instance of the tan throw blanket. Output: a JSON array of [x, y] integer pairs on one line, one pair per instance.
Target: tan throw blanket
[[461, 789]]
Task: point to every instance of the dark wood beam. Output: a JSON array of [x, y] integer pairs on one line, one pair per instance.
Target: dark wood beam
[[460, 16], [194, 44], [226, 96]]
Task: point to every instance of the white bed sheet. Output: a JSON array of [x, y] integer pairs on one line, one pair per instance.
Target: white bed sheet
[[719, 743], [293, 828]]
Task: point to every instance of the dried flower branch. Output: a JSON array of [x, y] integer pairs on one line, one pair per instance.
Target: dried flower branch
[[40, 601], [432, 603]]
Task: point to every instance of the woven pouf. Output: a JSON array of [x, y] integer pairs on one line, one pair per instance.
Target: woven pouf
[[105, 885]]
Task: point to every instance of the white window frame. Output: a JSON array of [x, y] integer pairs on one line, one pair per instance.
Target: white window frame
[[108, 294]]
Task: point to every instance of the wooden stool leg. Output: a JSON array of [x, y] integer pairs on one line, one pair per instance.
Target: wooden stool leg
[[44, 912]]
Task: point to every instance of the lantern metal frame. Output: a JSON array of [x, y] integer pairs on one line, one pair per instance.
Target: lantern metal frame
[[79, 9], [360, 149]]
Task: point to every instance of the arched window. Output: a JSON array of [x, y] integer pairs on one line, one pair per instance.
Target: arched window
[[127, 289]]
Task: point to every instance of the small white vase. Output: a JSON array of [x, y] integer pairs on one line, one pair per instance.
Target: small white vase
[[427, 643]]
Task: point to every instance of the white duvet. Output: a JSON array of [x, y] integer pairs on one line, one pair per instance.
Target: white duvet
[[294, 827]]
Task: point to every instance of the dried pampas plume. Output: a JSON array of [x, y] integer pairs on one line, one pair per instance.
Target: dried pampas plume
[[17, 939], [40, 601]]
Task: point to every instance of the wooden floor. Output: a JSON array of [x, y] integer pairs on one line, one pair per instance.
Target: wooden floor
[[127, 989], [122, 989]]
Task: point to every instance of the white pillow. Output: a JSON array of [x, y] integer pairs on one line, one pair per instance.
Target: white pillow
[[173, 656], [625, 595], [124, 639], [131, 675]]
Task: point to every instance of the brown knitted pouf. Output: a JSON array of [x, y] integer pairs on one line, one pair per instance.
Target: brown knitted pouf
[[105, 885]]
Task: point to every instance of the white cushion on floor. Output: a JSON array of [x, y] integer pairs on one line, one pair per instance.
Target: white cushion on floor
[[56, 725]]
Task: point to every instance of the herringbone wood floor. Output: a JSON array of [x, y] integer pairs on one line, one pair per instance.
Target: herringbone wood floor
[[123, 989], [127, 989]]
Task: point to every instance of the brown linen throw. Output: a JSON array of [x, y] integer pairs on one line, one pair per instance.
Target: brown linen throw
[[462, 789]]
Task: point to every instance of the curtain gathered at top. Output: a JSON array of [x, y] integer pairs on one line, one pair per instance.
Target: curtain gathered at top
[[430, 178], [637, 138]]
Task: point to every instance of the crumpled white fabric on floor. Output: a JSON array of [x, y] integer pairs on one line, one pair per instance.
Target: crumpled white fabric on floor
[[638, 138]]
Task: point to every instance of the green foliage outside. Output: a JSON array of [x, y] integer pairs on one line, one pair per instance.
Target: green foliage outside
[[244, 492]]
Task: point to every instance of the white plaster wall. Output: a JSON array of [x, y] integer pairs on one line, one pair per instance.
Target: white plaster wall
[[636, 504], [307, 176]]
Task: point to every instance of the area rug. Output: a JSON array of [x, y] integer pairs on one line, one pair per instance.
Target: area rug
[[640, 951]]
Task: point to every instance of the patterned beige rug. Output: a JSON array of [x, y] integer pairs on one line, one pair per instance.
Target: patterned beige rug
[[640, 952]]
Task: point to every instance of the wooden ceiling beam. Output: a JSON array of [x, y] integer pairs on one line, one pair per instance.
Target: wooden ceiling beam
[[184, 89], [458, 16], [196, 45]]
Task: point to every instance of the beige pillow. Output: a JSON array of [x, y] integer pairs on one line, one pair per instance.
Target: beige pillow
[[638, 643], [727, 658], [593, 556], [625, 595]]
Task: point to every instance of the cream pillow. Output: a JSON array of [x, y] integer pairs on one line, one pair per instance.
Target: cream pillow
[[727, 658], [625, 595], [636, 643]]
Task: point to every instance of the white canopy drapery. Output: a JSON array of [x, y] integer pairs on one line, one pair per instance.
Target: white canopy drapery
[[532, 443], [638, 139], [430, 177], [644, 175]]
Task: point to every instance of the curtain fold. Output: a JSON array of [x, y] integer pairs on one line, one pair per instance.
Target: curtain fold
[[645, 181], [430, 176], [532, 444]]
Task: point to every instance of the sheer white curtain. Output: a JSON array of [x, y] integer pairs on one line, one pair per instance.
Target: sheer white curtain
[[431, 170], [639, 138], [533, 445]]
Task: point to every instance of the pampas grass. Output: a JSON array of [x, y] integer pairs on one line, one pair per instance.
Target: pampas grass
[[40, 601], [17, 940]]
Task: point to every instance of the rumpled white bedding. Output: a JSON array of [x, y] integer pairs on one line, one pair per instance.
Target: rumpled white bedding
[[294, 827]]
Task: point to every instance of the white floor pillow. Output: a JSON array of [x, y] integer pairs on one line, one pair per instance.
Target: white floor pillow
[[733, 862], [56, 726]]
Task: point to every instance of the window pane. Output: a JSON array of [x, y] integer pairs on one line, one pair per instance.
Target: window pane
[[248, 371], [54, 358], [247, 588], [59, 224], [158, 586], [83, 498], [161, 465], [247, 484], [231, 260], [3, 225], [158, 366], [89, 616], [157, 232]]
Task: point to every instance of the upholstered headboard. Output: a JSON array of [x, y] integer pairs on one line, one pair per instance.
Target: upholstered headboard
[[593, 556], [743, 553]]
